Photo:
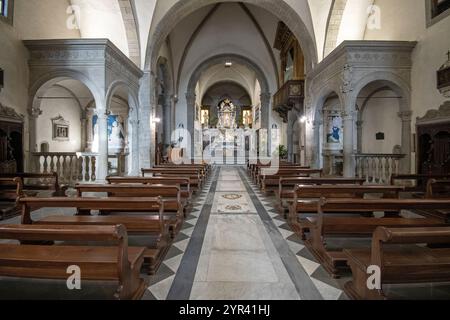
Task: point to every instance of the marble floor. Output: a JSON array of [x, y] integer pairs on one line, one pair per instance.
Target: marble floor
[[235, 246], [237, 249]]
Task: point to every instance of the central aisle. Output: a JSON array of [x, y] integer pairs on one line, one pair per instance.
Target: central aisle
[[235, 246], [238, 258]]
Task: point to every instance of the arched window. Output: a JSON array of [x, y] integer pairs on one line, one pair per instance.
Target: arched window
[[6, 10]]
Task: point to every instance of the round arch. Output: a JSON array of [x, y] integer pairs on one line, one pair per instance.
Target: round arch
[[215, 83], [386, 79], [184, 8], [221, 59], [49, 79]]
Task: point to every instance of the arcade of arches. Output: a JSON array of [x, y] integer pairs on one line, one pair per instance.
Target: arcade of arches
[[104, 88]]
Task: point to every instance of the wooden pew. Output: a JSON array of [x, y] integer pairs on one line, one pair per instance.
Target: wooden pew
[[195, 176], [262, 170], [44, 182], [183, 183], [11, 190], [204, 167], [271, 183], [420, 181], [347, 222], [144, 225], [285, 193], [284, 172], [171, 195], [404, 264], [438, 189], [306, 198], [116, 263]]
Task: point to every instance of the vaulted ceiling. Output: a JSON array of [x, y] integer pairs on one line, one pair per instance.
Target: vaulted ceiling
[[128, 23]]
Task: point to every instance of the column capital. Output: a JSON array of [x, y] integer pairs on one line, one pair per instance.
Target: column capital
[[190, 98], [34, 112], [265, 98], [405, 115], [348, 116], [317, 123]]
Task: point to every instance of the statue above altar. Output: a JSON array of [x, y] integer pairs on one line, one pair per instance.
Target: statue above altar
[[227, 115]]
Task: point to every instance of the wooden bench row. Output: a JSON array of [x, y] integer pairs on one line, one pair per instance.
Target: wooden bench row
[[148, 215]]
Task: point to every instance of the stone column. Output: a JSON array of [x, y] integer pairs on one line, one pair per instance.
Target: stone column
[[316, 152], [83, 133], [265, 120], [167, 120], [34, 114], [89, 129], [290, 138], [349, 159], [359, 130], [133, 138], [102, 162], [190, 102], [405, 164], [145, 134]]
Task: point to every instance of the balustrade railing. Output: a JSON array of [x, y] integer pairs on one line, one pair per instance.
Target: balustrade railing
[[377, 168], [71, 167]]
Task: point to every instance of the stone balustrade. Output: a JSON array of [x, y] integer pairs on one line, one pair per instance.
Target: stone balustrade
[[377, 168], [72, 167]]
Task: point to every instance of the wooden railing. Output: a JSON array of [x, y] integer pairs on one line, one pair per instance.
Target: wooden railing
[[377, 168], [71, 167]]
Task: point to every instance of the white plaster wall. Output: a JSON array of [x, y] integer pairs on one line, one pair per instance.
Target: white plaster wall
[[429, 54], [70, 111], [43, 19], [354, 20], [381, 115], [144, 12], [182, 33], [102, 19], [320, 11]]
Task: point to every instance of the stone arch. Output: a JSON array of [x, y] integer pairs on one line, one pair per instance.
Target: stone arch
[[318, 122], [132, 124], [214, 83], [40, 86], [391, 81], [49, 79], [388, 79], [221, 59], [184, 8]]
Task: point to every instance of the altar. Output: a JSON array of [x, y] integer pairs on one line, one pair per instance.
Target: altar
[[224, 140]]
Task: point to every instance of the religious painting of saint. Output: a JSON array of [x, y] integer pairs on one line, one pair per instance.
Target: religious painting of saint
[[334, 131]]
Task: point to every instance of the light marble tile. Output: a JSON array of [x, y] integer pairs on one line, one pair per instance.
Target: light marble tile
[[238, 233], [174, 263], [309, 266], [241, 267], [161, 289], [182, 245], [225, 186], [328, 292], [243, 291]]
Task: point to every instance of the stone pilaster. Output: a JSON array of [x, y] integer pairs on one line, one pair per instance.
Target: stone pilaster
[[406, 118]]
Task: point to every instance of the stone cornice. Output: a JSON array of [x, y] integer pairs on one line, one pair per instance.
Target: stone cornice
[[79, 51], [380, 53]]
